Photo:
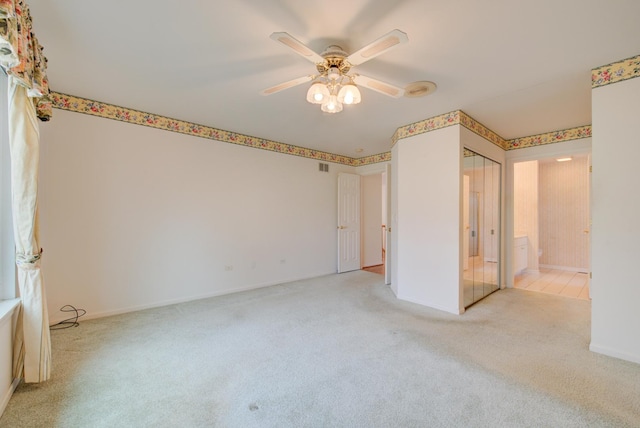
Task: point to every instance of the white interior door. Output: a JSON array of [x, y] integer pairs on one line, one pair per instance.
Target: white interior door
[[348, 222]]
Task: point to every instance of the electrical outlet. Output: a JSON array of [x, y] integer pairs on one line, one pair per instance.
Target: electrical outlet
[[228, 267], [283, 261]]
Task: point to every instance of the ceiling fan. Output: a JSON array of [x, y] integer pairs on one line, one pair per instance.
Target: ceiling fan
[[334, 85]]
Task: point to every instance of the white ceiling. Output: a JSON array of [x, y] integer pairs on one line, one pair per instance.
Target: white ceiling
[[518, 67]]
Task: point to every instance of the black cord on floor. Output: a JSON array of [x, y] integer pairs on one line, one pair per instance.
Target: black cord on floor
[[69, 322]]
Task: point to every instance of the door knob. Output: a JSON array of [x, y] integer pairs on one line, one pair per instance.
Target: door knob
[[341, 227]]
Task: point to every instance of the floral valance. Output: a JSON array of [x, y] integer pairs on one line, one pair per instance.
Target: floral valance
[[21, 54]]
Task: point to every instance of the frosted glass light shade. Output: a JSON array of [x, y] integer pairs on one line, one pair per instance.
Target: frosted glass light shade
[[332, 105], [318, 93], [349, 94]]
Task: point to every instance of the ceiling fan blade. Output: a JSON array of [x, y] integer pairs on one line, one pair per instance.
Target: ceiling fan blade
[[379, 86], [286, 85], [297, 46], [377, 47]]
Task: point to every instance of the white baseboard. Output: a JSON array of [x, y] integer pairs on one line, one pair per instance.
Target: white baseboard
[[565, 268], [393, 289], [455, 311], [614, 353], [223, 292]]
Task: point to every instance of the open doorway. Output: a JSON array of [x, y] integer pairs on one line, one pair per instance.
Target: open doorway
[[552, 225], [373, 202]]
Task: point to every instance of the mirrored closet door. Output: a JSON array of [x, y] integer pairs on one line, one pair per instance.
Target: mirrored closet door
[[481, 227]]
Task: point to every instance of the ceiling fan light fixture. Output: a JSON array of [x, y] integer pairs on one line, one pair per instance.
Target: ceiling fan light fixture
[[332, 105], [334, 73], [318, 93], [349, 94], [333, 86]]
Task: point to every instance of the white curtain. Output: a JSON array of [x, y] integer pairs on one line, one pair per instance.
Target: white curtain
[[34, 350], [21, 56]]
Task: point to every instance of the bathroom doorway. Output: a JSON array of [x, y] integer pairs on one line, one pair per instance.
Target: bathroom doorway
[[552, 225]]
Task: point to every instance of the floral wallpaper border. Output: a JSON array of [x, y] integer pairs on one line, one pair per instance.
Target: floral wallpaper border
[[461, 118], [368, 160], [458, 117], [109, 111], [616, 72], [550, 137], [426, 125], [474, 126]]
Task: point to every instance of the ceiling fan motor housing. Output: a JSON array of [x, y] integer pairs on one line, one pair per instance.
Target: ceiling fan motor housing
[[334, 56]]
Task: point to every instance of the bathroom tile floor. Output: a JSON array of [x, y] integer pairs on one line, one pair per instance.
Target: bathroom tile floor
[[550, 281], [554, 281]]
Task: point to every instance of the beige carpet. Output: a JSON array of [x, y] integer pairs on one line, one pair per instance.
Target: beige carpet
[[337, 351]]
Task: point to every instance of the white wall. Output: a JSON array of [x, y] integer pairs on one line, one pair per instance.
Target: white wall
[[374, 168], [371, 209], [426, 237], [615, 211], [525, 208], [134, 217]]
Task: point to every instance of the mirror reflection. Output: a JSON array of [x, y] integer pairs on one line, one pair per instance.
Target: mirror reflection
[[481, 226]]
